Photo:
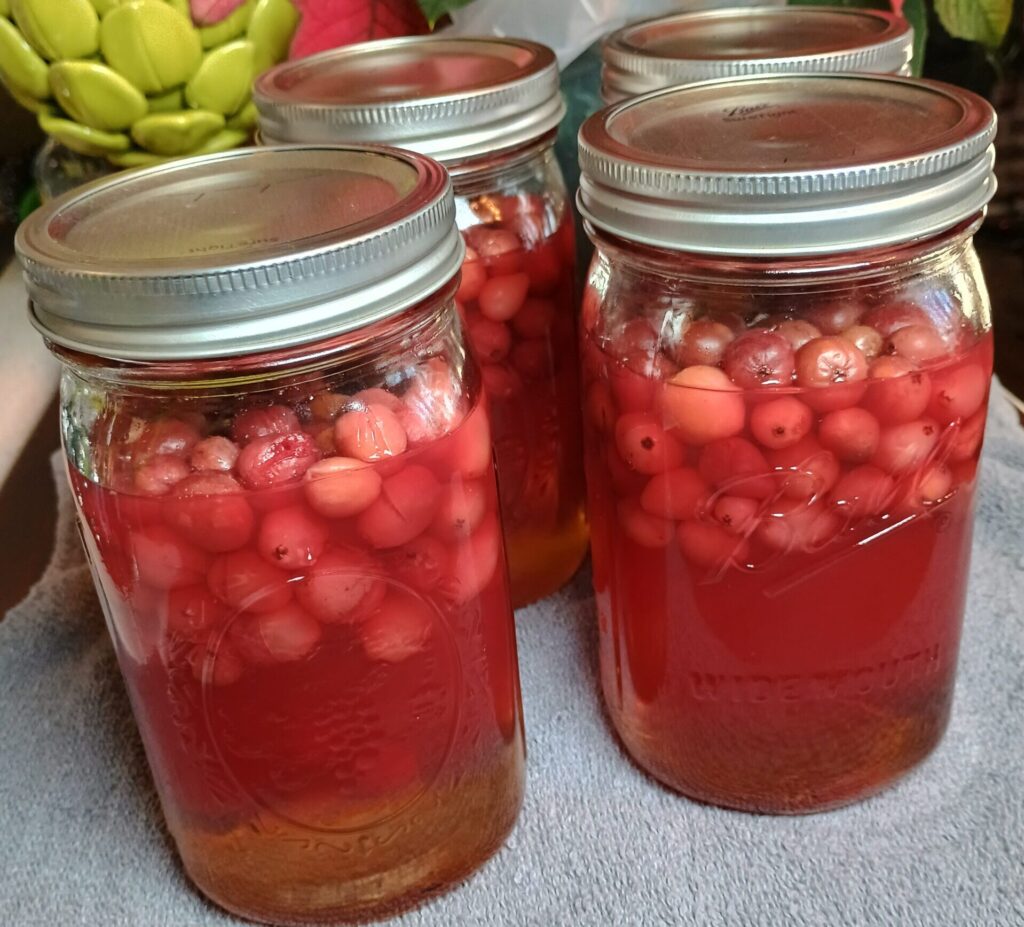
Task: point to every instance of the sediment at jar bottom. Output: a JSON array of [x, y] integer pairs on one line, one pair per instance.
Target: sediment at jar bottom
[[743, 759], [541, 563], [268, 870]]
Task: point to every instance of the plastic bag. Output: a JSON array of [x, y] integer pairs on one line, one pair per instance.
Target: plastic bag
[[571, 26]]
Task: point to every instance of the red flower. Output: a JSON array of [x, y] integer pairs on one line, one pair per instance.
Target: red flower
[[331, 23], [208, 12]]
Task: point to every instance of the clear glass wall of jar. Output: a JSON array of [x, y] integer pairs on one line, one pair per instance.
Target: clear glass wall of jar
[[488, 110], [785, 401], [295, 535]]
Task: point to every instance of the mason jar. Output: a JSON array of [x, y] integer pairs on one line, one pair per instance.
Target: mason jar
[[282, 466], [690, 47], [786, 358], [488, 109]]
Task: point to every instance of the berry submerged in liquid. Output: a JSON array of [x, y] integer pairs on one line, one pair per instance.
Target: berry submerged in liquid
[[319, 645], [518, 302], [780, 602]]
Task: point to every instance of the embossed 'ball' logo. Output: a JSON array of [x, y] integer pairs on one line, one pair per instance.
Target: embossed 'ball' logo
[[354, 733]]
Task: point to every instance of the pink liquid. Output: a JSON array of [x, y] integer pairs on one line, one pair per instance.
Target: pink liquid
[[329, 700], [779, 625]]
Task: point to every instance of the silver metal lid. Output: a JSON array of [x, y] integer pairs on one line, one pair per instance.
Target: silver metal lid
[[786, 165], [237, 253], [710, 45], [450, 98]]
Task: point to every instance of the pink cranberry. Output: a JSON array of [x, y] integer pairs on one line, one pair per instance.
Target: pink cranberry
[[502, 297], [339, 487], [917, 343], [907, 446], [930, 487], [851, 434], [422, 563], [832, 368], [292, 538], [374, 395], [276, 460], [264, 423], [736, 466], [677, 494], [460, 511], [164, 560], [643, 528], [169, 436], [535, 318], [645, 445], [709, 545], [284, 635], [370, 433], [808, 469], [401, 628], [633, 392], [863, 492], [220, 667], [490, 340], [735, 513], [866, 339], [245, 581], [893, 316], [958, 393], [470, 446], [500, 250], [432, 405], [833, 316], [475, 562], [897, 391], [192, 613], [637, 337], [830, 361], [703, 405], [758, 359], [474, 276], [406, 506], [217, 453], [703, 344], [343, 581], [211, 511], [160, 475], [797, 332], [780, 422]]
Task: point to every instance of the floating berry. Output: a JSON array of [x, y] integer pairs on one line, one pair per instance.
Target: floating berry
[[703, 405]]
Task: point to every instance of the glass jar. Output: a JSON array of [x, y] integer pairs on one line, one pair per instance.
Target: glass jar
[[282, 466], [697, 46], [787, 353], [488, 109]]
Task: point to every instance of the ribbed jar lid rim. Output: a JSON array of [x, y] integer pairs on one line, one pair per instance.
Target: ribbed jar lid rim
[[453, 99], [794, 164], [241, 252], [713, 44]]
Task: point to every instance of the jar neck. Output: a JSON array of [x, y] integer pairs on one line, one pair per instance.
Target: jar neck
[[905, 259], [481, 174], [420, 325]]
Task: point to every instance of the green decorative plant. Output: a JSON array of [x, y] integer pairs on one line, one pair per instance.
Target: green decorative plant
[[983, 22], [138, 81]]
